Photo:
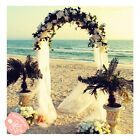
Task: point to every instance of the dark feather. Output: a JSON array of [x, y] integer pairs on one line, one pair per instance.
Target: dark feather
[[32, 68], [108, 81], [14, 70]]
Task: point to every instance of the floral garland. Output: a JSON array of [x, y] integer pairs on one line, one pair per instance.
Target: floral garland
[[95, 127], [56, 20]]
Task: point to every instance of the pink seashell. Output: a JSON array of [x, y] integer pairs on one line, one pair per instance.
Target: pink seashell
[[16, 124]]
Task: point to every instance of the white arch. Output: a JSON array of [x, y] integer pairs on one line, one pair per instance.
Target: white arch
[[72, 104], [76, 102]]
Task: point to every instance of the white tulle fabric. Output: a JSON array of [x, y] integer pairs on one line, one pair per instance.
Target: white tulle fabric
[[46, 107], [101, 56], [76, 102]]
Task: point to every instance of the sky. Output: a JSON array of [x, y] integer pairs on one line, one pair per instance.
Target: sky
[[22, 21]]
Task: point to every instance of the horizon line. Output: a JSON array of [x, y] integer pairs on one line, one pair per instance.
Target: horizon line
[[60, 39]]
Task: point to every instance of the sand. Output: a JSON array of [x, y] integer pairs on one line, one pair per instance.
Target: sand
[[64, 78]]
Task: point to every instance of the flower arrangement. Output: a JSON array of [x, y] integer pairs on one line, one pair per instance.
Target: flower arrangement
[[56, 20], [29, 114], [95, 127], [32, 116]]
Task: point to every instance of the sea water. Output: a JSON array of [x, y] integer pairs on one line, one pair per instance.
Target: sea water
[[74, 49]]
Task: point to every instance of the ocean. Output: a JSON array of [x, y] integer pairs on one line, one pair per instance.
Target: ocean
[[74, 49]]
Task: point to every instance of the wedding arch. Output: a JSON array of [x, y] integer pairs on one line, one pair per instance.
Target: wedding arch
[[43, 37]]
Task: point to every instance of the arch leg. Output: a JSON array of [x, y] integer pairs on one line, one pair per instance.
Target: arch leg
[[46, 107]]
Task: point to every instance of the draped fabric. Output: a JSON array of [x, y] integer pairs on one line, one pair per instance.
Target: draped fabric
[[46, 107], [76, 102], [101, 56]]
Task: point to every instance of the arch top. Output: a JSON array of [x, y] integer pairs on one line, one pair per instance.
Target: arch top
[[56, 20]]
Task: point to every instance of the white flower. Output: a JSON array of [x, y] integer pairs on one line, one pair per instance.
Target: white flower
[[22, 108], [95, 37], [43, 28], [85, 20], [49, 26], [78, 130], [108, 126], [93, 127], [71, 10], [66, 18], [96, 31], [55, 27], [104, 40], [80, 23], [98, 126], [39, 26], [91, 131], [96, 129], [74, 12], [66, 13], [54, 21], [60, 14], [87, 17], [98, 43], [30, 108], [24, 113]]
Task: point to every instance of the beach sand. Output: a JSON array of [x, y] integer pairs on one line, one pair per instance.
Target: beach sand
[[64, 78]]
